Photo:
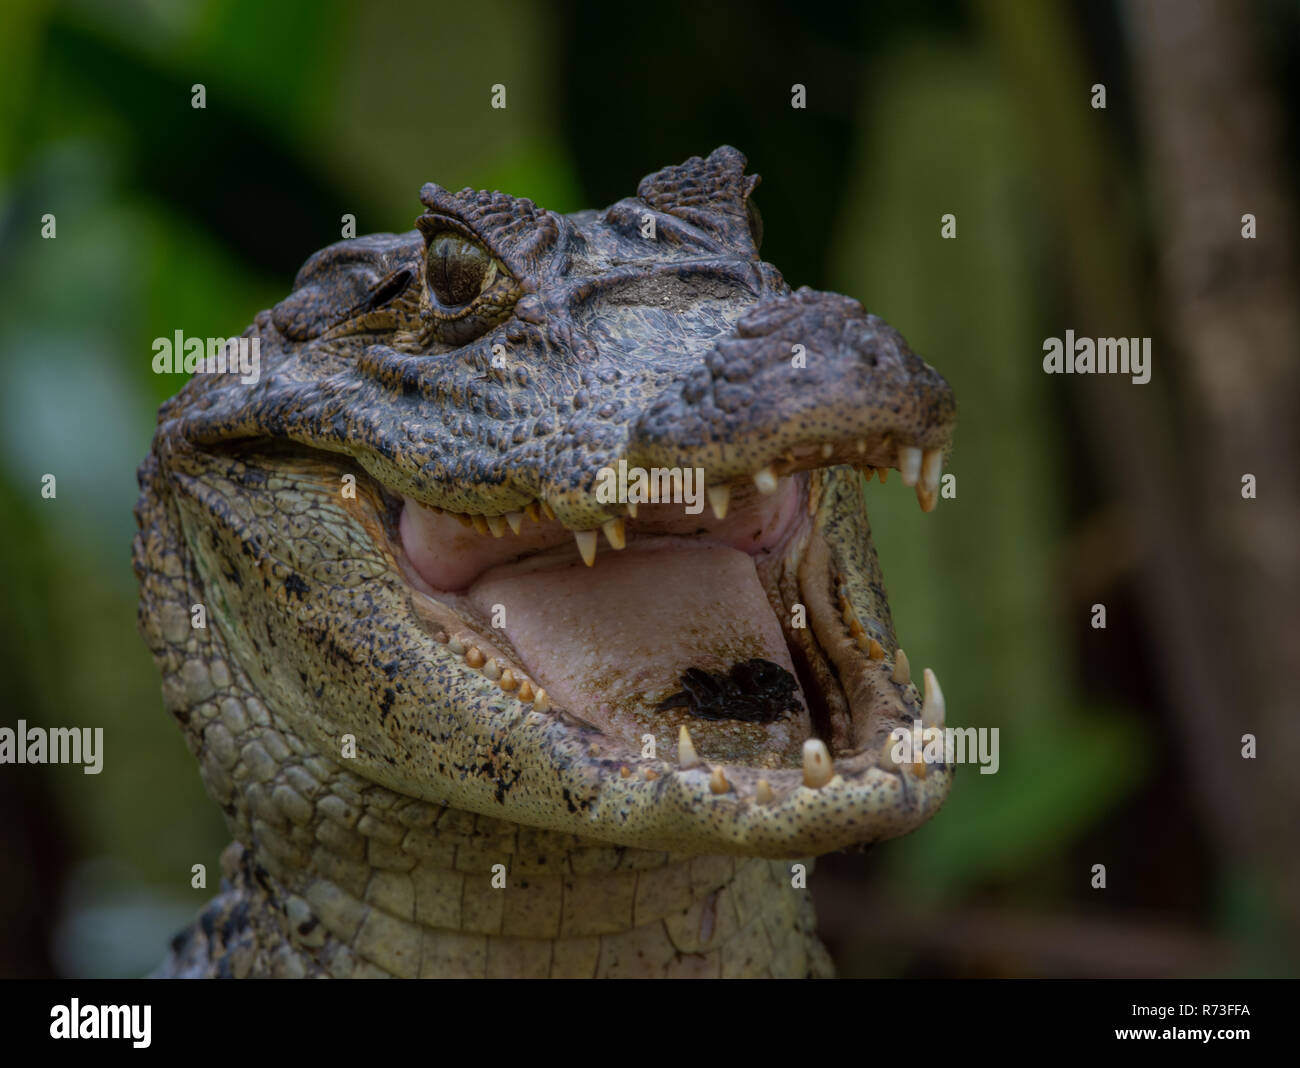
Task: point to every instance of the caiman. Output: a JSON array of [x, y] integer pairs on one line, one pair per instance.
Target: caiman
[[476, 694]]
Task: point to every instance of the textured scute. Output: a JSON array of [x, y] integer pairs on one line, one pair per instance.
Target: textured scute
[[395, 812], [383, 898]]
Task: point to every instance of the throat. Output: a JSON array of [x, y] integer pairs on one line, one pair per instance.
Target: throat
[[403, 888]]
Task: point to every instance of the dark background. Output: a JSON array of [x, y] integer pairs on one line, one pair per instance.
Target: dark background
[[1119, 746]]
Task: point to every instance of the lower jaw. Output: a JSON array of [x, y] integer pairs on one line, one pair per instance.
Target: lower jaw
[[450, 713]]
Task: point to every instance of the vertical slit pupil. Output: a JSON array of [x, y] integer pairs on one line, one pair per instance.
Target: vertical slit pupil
[[455, 270]]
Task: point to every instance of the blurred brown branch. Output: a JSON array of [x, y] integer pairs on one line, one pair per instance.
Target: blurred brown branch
[[995, 941], [1214, 137], [1224, 642]]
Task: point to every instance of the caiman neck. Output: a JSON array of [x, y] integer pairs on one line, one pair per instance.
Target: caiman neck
[[331, 874], [367, 883]]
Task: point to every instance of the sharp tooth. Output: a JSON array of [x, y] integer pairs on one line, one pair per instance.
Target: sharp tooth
[[909, 463], [719, 498], [933, 709], [867, 472], [927, 490], [497, 525], [586, 540], [479, 523], [508, 681], [533, 512], [855, 628], [875, 650], [765, 480], [817, 766], [718, 782], [492, 669], [827, 449], [541, 703], [613, 529], [763, 792], [686, 755], [546, 510], [456, 645], [650, 774], [861, 445], [473, 657], [631, 509], [463, 520], [931, 469], [525, 691], [516, 521], [624, 772], [902, 669], [441, 637], [886, 758], [883, 472]]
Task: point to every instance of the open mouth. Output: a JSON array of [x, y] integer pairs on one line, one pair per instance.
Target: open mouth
[[750, 638]]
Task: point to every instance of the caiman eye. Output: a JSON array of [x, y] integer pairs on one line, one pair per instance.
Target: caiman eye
[[457, 270]]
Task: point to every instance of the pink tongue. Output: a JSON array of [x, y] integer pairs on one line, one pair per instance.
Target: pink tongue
[[610, 642]]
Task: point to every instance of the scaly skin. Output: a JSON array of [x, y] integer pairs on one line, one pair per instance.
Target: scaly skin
[[399, 805]]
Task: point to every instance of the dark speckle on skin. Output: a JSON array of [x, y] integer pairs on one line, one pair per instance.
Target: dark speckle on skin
[[753, 691]]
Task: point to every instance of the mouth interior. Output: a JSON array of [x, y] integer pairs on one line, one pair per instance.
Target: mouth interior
[[677, 628], [612, 642]]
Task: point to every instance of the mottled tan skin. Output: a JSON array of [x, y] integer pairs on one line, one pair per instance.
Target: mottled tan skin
[[373, 782]]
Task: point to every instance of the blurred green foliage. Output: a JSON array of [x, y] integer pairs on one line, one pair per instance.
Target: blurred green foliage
[[171, 218], [973, 593]]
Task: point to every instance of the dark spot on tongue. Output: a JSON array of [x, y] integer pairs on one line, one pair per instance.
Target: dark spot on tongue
[[753, 691]]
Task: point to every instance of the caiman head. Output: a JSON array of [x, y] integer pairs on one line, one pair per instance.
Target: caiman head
[[455, 536]]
